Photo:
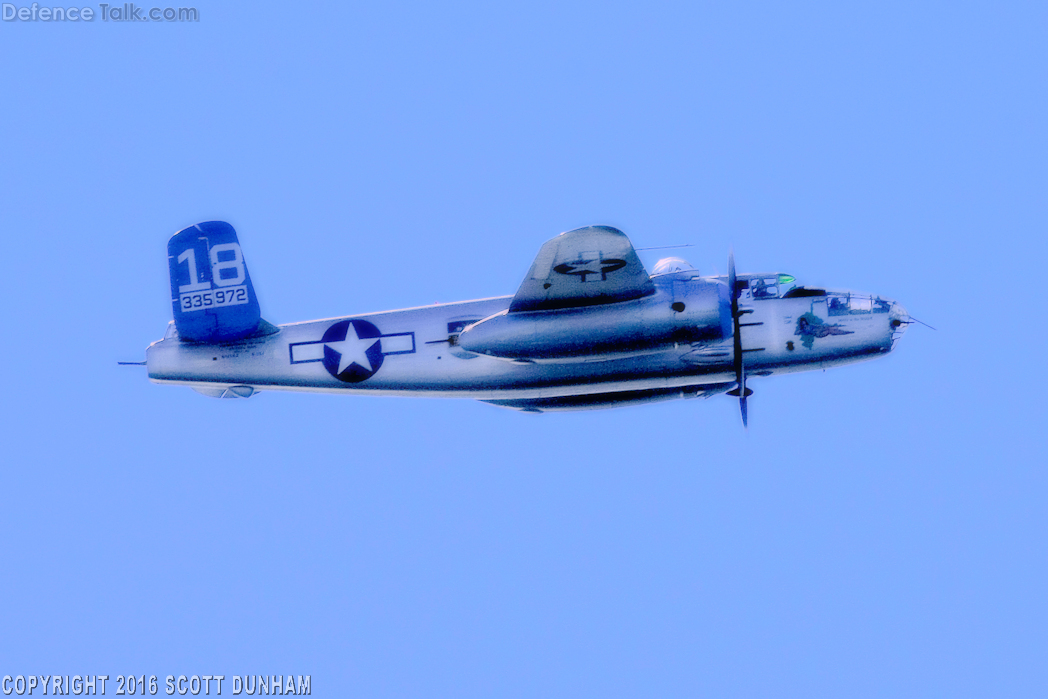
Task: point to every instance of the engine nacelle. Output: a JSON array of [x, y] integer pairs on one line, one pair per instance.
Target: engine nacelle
[[679, 312]]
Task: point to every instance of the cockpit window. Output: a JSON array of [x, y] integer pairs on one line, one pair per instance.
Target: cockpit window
[[770, 286], [765, 287]]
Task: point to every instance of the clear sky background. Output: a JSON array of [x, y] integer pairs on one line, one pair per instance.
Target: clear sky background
[[879, 531]]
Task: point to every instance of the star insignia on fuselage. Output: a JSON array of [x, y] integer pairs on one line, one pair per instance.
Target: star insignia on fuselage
[[352, 350]]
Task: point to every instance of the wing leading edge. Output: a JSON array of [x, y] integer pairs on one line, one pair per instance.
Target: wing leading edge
[[584, 267]]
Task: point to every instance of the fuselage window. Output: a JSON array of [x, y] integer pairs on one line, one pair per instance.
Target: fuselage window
[[849, 304], [861, 304]]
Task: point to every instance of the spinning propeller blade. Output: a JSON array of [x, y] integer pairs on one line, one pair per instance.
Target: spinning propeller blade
[[740, 369]]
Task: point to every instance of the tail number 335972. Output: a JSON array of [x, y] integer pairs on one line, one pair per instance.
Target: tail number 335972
[[227, 273]]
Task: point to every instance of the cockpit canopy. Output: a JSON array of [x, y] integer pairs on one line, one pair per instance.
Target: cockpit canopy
[[769, 286], [784, 286]]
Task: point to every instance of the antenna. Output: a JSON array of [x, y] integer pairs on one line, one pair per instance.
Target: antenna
[[666, 247], [921, 322]]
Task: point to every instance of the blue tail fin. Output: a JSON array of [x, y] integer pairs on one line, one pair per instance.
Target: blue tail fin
[[211, 293]]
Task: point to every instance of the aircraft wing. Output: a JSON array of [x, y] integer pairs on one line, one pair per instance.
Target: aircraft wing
[[584, 267]]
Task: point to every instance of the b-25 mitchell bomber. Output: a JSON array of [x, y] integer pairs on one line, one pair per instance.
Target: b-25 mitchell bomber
[[588, 328]]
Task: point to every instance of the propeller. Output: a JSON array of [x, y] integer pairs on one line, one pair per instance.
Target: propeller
[[740, 368]]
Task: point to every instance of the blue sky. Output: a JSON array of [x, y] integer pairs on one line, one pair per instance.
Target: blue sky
[[878, 531]]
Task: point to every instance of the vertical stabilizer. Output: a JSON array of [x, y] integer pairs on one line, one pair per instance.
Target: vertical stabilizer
[[211, 293]]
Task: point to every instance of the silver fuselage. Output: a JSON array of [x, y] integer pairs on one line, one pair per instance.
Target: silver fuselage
[[421, 355]]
